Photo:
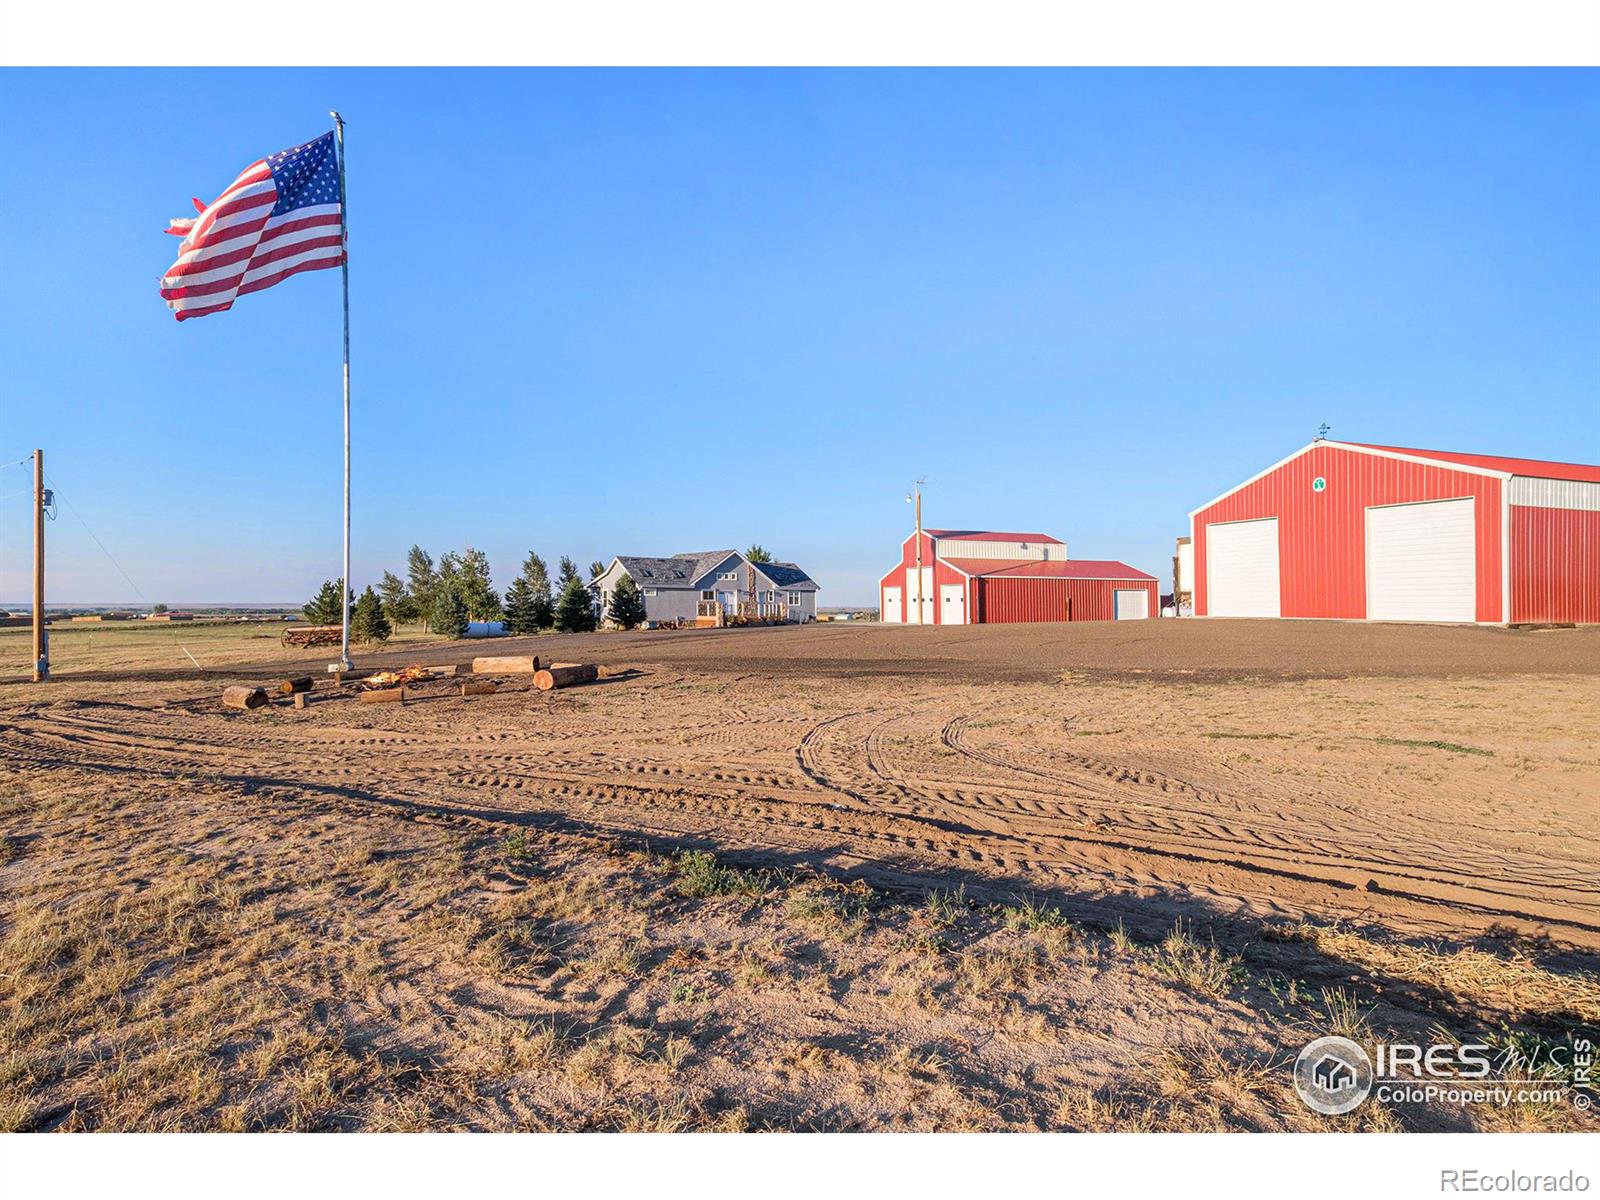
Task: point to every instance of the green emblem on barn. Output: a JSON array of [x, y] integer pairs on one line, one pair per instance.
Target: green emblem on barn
[[1319, 484]]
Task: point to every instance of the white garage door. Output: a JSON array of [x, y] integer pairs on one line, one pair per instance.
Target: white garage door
[[926, 616], [1130, 604], [1242, 569], [892, 612], [1422, 562], [952, 604]]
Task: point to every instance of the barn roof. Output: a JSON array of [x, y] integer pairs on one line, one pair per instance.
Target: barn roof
[[1539, 468], [1076, 568], [989, 535]]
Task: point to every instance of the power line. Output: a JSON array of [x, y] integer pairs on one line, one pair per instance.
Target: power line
[[56, 491]]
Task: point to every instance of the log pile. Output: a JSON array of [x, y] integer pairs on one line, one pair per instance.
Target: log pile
[[312, 635]]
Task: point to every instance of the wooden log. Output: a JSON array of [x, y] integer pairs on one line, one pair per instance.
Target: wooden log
[[302, 699], [384, 696], [483, 687], [290, 686], [239, 696], [560, 675], [444, 672], [514, 664]]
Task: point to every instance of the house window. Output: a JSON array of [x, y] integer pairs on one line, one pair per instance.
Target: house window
[[729, 575], [649, 591], [708, 595], [794, 597]]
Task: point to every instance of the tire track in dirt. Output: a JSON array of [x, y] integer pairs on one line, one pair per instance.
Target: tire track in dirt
[[867, 785]]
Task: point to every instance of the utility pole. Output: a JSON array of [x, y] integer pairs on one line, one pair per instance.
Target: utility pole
[[41, 652]]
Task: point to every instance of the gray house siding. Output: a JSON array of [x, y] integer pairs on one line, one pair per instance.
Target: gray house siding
[[674, 587]]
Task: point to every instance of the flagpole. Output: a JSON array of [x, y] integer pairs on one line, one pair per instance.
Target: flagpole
[[344, 271]]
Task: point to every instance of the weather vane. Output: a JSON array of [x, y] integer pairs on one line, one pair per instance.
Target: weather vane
[[1322, 431]]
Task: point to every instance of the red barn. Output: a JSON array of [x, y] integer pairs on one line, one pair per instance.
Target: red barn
[[1385, 533], [971, 576]]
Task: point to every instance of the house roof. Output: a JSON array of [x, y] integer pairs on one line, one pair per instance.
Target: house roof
[[659, 572], [988, 535], [1076, 568], [1539, 468], [706, 560], [785, 574]]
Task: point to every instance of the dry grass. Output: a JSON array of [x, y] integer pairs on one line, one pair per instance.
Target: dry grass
[[197, 957], [1511, 983]]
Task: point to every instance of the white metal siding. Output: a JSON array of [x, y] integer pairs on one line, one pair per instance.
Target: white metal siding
[[952, 604], [1130, 604], [948, 548], [1422, 562], [1555, 493], [1242, 569], [893, 612], [1186, 567], [928, 598]]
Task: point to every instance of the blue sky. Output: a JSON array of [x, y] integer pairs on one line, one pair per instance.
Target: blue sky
[[601, 312]]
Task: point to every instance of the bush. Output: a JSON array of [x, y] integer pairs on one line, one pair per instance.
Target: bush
[[700, 875]]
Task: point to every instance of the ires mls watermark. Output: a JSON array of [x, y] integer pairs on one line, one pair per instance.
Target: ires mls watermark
[[1336, 1075]]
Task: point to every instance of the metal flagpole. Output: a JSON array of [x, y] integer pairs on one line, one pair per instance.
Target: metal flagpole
[[344, 271]]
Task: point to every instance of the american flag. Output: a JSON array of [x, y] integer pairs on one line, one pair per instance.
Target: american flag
[[280, 217]]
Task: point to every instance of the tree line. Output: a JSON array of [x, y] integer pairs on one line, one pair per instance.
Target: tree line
[[444, 595]]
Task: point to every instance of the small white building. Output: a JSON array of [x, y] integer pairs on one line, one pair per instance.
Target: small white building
[[674, 588]]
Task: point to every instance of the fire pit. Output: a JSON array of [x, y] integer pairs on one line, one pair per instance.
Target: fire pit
[[389, 679]]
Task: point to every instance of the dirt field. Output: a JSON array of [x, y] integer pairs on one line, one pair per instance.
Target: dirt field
[[183, 646], [948, 869]]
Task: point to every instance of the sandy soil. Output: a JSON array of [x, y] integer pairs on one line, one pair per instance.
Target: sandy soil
[[1403, 851]]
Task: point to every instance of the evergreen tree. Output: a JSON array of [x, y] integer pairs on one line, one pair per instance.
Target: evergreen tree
[[758, 554], [575, 610], [448, 615], [323, 608], [569, 572], [483, 603], [398, 604], [367, 622], [596, 569], [521, 617], [537, 577], [449, 573], [420, 582], [627, 604]]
